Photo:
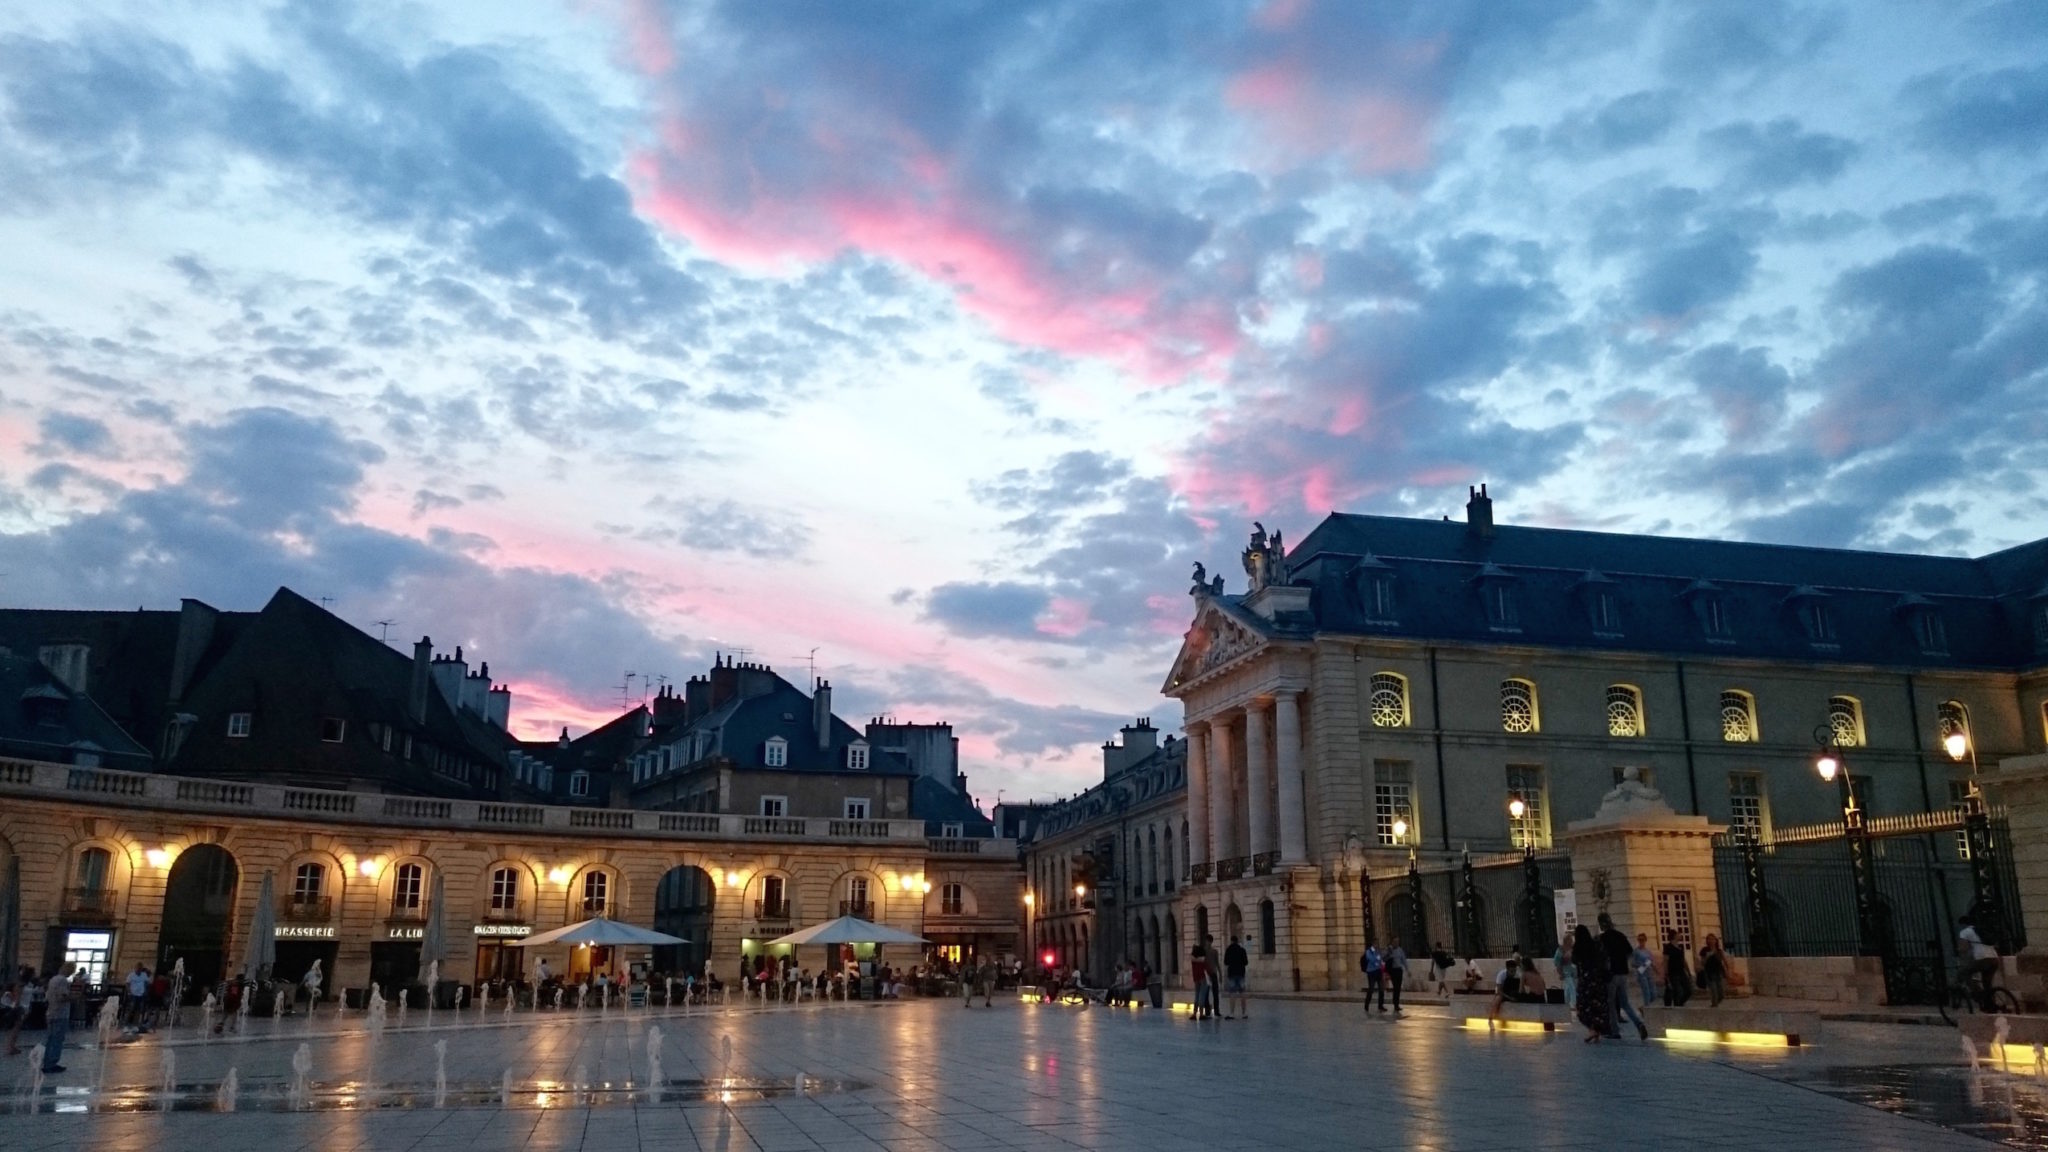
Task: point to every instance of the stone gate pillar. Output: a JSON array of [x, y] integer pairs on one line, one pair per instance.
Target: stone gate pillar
[[1637, 852]]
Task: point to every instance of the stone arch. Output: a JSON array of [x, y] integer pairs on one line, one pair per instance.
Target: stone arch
[[529, 879], [100, 897], [198, 916], [844, 890], [685, 900], [935, 900], [1233, 923], [587, 897]]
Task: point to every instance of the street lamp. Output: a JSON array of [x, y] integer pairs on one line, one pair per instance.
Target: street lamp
[[1987, 909], [1871, 936], [1400, 830], [1518, 810]]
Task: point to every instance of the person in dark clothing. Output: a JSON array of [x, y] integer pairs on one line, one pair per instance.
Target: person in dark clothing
[[1374, 968], [1677, 974], [1234, 964], [1620, 952], [1396, 962], [1591, 960]]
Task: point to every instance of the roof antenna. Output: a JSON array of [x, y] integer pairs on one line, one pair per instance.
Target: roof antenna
[[384, 631], [626, 689]]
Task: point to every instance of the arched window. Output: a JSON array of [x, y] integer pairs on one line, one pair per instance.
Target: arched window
[[1845, 721], [952, 899], [408, 889], [505, 890], [1950, 719], [1738, 717], [1518, 706], [597, 891], [1269, 933], [1389, 700], [1624, 710], [94, 866]]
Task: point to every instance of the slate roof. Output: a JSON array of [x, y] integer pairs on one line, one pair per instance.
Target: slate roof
[[128, 668], [1989, 607], [1162, 773], [41, 719], [603, 752], [937, 804]]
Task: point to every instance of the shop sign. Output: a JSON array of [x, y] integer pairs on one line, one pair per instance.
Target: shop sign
[[305, 932], [405, 933], [503, 929]]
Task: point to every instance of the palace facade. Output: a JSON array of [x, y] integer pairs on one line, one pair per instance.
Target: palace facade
[[1387, 689]]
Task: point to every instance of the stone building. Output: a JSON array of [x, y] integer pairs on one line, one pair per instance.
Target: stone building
[[1103, 881], [1389, 686]]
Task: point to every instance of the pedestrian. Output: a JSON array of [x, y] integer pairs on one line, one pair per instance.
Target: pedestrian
[[1198, 972], [1980, 961], [1215, 967], [989, 974], [1677, 976], [1440, 965], [1375, 968], [1620, 955], [1235, 961], [58, 997], [1713, 970], [1567, 972], [1397, 972], [136, 995], [1592, 1005], [1644, 963]]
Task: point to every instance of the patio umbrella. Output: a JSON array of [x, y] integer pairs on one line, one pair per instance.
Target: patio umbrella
[[434, 937], [848, 930], [600, 931], [262, 952], [10, 920]]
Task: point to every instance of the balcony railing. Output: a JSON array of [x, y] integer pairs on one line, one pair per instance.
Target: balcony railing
[[311, 910], [402, 911], [89, 902], [860, 908], [1200, 873], [513, 913], [775, 910], [1264, 863], [1231, 869], [596, 906]]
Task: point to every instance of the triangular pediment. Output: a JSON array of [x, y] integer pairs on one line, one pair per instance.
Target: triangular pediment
[[1213, 640]]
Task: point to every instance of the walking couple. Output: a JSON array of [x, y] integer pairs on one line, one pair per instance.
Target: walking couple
[[1603, 963], [1382, 969]]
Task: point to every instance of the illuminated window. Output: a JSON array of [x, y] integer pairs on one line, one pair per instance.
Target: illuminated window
[[407, 884], [1674, 915], [1624, 710], [1738, 717], [1518, 706], [1959, 803], [1389, 700], [1845, 721]]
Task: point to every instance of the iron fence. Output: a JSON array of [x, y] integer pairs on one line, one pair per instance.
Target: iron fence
[[1482, 907]]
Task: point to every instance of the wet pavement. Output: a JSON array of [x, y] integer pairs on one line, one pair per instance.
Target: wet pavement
[[931, 1076]]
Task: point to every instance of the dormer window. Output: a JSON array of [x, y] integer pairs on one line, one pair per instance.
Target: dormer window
[[1372, 590], [1710, 608], [775, 753], [1810, 608], [332, 729], [857, 756], [579, 783], [1497, 596], [1603, 607], [1930, 634], [2039, 607], [239, 724]]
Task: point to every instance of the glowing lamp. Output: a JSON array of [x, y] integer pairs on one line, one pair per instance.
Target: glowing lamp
[[159, 857], [558, 876], [1957, 744], [1080, 891], [1029, 900], [1048, 958], [1827, 766], [732, 879], [369, 866], [1516, 808], [1400, 829]]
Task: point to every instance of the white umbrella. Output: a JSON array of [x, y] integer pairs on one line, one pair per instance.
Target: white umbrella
[[848, 930], [600, 931], [262, 954]]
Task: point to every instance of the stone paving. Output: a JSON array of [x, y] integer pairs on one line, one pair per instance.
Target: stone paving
[[931, 1076]]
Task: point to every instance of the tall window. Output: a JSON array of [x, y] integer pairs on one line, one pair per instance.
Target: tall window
[[1269, 934], [1378, 594], [1950, 719], [1746, 805], [857, 894], [1525, 783], [93, 864], [1389, 699], [307, 881], [1393, 792], [1845, 721], [774, 905], [777, 752], [1499, 596], [1738, 717], [1517, 706], [1606, 612], [1624, 710], [407, 886], [504, 889], [952, 899], [596, 892], [1152, 861]]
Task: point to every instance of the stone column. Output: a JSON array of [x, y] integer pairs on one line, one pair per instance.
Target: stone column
[[1258, 780], [1287, 757], [1197, 846], [1222, 827]]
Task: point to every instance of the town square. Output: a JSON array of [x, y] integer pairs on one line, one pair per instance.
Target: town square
[[771, 574]]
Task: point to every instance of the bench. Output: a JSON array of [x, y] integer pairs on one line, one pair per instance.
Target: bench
[[1475, 1013], [1749, 1027]]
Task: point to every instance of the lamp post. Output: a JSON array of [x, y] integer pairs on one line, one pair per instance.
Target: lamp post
[[1870, 934], [1987, 906]]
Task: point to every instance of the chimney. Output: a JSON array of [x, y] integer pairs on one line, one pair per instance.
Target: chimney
[[563, 740], [821, 714], [667, 713], [725, 682], [499, 709], [422, 679], [195, 632], [1479, 513], [1140, 740], [696, 699]]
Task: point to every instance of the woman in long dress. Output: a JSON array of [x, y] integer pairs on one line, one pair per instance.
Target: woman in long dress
[[1590, 959]]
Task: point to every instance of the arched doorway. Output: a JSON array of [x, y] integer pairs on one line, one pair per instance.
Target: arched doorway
[[682, 907], [199, 905], [1404, 925], [1233, 924]]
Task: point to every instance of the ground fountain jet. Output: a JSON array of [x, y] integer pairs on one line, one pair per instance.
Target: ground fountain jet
[[207, 1008], [505, 1090], [35, 1078], [440, 1073], [170, 1078], [373, 1009], [230, 1087], [2000, 1029], [301, 1090], [654, 1080]]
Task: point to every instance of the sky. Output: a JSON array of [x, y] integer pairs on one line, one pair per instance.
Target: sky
[[929, 345]]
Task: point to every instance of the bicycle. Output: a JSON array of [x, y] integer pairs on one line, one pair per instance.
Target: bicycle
[[1963, 997]]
